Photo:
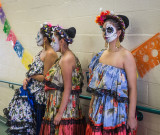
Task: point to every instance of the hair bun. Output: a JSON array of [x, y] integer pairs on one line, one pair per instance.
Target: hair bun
[[71, 32], [125, 19]]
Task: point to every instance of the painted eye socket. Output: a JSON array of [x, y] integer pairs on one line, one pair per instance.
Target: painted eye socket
[[103, 29], [110, 29]]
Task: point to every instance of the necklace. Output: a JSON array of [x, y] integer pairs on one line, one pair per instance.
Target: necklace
[[115, 50]]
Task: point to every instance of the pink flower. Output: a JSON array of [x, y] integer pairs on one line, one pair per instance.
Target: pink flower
[[49, 24]]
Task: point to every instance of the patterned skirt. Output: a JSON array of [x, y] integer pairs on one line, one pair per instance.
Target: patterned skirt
[[108, 116], [24, 114], [20, 113], [72, 122]]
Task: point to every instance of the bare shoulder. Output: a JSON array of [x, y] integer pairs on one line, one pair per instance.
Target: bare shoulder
[[127, 55], [51, 53], [128, 59], [68, 57]]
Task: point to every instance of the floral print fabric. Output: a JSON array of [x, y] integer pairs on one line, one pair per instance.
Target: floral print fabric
[[110, 105], [72, 121], [37, 87], [21, 111]]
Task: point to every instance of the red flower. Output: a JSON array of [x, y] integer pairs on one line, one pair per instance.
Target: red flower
[[77, 87], [115, 103], [74, 104], [100, 19], [77, 69], [54, 102]]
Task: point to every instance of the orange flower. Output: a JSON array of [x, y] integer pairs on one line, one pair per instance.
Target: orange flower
[[90, 71], [100, 19]]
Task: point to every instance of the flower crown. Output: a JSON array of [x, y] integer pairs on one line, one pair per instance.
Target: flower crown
[[62, 34], [110, 15], [47, 27]]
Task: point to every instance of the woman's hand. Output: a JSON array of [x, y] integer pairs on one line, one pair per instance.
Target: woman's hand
[[132, 124], [57, 119], [25, 82]]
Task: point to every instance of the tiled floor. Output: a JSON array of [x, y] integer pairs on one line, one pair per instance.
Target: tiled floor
[[3, 128]]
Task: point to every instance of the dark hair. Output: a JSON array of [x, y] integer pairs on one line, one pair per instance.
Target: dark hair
[[125, 19], [70, 34], [46, 31]]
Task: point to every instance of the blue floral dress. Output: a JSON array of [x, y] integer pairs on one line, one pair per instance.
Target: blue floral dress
[[27, 107], [110, 104]]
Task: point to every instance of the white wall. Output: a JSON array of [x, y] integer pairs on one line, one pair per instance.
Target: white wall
[[25, 17]]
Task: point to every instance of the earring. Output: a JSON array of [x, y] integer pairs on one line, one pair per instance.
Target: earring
[[117, 44], [44, 45], [106, 45]]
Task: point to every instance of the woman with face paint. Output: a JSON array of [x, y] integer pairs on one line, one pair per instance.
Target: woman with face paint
[[112, 82], [64, 81], [27, 107]]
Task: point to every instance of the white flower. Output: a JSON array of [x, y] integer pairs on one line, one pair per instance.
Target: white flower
[[100, 9], [112, 13], [41, 25]]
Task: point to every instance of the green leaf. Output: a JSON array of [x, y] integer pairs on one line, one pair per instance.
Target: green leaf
[[7, 27]]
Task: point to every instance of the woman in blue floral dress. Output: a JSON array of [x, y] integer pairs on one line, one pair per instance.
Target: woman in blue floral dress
[[27, 107], [112, 82]]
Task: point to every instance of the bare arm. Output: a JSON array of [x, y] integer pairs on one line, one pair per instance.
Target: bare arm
[[92, 99], [130, 68], [90, 105], [67, 65]]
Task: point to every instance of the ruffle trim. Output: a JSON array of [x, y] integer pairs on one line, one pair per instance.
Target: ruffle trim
[[15, 123], [49, 127], [19, 132], [72, 121], [101, 92], [66, 121], [99, 129], [23, 127]]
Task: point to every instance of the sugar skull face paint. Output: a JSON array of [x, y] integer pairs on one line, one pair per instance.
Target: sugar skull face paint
[[55, 43], [39, 39], [110, 32]]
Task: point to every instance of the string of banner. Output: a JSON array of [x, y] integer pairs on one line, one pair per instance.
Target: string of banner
[[23, 54], [147, 55]]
